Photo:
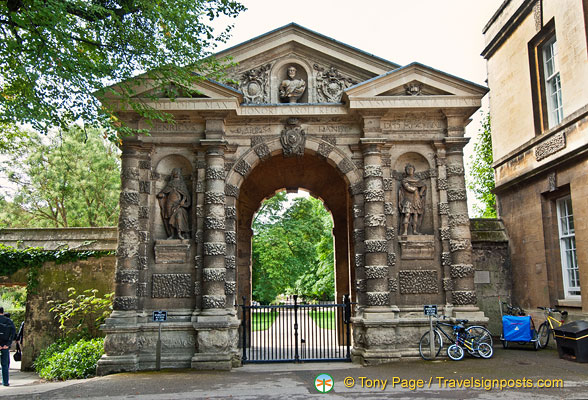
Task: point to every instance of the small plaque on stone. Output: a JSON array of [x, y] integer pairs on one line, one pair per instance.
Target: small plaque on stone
[[173, 251]]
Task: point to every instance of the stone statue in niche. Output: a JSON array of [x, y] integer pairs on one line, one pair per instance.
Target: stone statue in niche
[[292, 89], [174, 201], [411, 201]]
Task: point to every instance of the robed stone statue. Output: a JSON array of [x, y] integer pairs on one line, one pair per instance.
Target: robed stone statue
[[174, 201], [411, 201]]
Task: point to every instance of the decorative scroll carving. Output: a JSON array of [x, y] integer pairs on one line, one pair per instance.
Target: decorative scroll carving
[[209, 301], [214, 198], [443, 209], [413, 89], [255, 85], [377, 298], [230, 262], [242, 167], [551, 146], [231, 237], [129, 198], [376, 246], [213, 274], [391, 259], [174, 200], [462, 270], [375, 220], [345, 166], [448, 284], [293, 138], [262, 151], [418, 281], [171, 285], [388, 183], [231, 190], [124, 303], [373, 195], [376, 271], [214, 223], [330, 84], [462, 298], [230, 287], [372, 171], [444, 233], [459, 244], [456, 195], [411, 201], [215, 173], [215, 249], [392, 285], [127, 276]]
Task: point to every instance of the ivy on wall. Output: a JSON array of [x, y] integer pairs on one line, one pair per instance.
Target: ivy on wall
[[13, 260]]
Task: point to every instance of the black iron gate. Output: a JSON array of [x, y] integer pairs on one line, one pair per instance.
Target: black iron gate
[[296, 332]]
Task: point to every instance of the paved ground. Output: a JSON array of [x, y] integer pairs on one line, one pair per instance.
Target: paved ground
[[296, 381]]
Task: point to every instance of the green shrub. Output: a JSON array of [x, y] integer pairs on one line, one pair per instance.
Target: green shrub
[[63, 360]]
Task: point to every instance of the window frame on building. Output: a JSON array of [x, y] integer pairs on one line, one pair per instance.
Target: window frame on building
[[547, 113], [567, 247]]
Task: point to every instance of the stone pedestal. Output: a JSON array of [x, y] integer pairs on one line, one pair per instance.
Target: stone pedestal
[[173, 251], [217, 339], [417, 247]]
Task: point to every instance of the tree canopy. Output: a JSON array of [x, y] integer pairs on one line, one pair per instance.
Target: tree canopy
[[55, 54], [66, 180], [481, 180], [293, 250]]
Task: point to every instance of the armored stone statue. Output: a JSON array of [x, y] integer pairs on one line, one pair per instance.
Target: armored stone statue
[[411, 201], [292, 89], [174, 200]]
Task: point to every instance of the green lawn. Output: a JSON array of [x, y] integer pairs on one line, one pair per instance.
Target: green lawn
[[324, 319], [260, 321]]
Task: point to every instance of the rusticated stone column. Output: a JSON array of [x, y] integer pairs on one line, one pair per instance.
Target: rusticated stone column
[[460, 246], [374, 220], [215, 247]]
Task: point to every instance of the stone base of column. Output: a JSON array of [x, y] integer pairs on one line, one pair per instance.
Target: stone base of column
[[120, 344], [471, 313], [217, 342], [375, 336]]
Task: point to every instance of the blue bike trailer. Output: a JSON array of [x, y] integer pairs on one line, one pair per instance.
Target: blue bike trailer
[[517, 329]]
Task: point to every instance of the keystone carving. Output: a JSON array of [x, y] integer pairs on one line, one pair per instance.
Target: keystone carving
[[293, 138]]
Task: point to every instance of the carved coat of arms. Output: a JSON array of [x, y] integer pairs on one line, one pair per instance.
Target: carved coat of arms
[[293, 138], [330, 84]]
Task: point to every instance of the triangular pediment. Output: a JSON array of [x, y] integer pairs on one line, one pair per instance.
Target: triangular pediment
[[415, 80]]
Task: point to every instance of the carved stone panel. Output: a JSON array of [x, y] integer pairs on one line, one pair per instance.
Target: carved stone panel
[[171, 251], [330, 84], [255, 85], [418, 281], [293, 138], [417, 247], [171, 285]]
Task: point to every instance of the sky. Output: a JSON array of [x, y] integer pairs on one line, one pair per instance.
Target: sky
[[443, 34]]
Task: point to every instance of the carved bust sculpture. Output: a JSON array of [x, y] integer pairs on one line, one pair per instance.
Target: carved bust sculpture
[[292, 89], [174, 200], [411, 201]]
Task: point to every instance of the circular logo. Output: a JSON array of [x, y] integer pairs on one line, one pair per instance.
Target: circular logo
[[324, 383]]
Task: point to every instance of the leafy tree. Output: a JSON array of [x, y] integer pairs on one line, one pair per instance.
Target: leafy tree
[[482, 173], [292, 250], [68, 180], [55, 54]]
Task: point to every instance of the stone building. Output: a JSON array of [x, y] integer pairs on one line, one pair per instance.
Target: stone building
[[536, 53], [380, 144]]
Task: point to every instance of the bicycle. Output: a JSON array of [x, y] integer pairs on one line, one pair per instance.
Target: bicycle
[[476, 339], [519, 321], [549, 324]]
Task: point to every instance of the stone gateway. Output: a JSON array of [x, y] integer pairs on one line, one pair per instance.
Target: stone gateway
[[380, 144]]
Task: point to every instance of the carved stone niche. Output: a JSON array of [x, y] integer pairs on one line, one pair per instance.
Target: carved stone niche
[[292, 84], [172, 251], [417, 247]]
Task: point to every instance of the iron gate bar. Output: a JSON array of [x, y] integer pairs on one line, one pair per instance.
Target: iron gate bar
[[296, 332]]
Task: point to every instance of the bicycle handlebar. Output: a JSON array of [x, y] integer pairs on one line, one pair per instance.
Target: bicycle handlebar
[[549, 309]]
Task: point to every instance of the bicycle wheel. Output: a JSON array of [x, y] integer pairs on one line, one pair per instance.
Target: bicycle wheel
[[455, 352], [480, 335], [543, 335], [425, 348], [485, 350]]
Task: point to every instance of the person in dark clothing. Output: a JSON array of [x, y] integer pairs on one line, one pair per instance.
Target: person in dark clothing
[[7, 334]]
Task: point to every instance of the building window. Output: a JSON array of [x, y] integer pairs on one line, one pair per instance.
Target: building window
[[567, 245], [552, 82]]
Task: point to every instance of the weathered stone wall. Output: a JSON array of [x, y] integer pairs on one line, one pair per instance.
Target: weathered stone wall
[[493, 274], [41, 329]]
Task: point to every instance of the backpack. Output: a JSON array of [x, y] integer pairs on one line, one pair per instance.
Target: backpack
[[5, 329]]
